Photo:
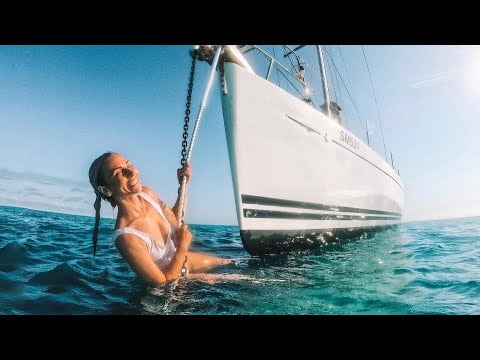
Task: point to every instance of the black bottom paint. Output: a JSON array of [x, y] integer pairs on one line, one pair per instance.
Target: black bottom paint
[[265, 242]]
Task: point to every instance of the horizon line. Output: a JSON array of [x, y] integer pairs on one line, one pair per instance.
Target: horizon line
[[93, 216], [107, 217]]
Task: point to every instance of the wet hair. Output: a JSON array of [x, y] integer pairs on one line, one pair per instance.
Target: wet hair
[[96, 178]]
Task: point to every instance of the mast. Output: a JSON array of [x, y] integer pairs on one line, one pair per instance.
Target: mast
[[323, 75]]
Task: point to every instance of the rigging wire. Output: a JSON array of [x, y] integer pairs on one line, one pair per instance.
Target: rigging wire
[[347, 75], [345, 67], [376, 103], [339, 88], [333, 81], [349, 95]]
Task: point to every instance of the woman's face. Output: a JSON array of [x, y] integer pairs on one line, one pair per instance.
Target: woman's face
[[121, 176]]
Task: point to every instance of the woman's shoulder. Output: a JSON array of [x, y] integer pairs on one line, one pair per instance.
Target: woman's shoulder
[[154, 196], [123, 223], [149, 191]]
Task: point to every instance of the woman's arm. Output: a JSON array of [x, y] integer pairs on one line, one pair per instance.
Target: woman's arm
[[135, 252], [183, 239]]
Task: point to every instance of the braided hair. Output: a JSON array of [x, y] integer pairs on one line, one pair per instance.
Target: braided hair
[[96, 179]]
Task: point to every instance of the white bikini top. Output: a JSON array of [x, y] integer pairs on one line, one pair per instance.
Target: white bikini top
[[162, 256]]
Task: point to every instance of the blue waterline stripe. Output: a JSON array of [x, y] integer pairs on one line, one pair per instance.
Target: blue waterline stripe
[[268, 214], [261, 200], [368, 161]]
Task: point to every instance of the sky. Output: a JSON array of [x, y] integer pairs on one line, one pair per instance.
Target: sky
[[62, 106]]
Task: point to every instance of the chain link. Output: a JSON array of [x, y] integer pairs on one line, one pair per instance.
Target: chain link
[[187, 111], [223, 84]]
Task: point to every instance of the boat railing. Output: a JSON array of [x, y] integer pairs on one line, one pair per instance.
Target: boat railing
[[272, 62]]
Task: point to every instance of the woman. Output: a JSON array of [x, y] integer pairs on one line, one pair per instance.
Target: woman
[[146, 233]]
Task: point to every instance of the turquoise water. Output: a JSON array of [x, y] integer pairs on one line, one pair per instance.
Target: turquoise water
[[47, 267]]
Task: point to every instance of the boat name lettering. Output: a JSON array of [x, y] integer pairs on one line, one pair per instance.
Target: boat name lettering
[[350, 140]]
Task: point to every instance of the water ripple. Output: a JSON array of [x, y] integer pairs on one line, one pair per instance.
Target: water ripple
[[47, 267]]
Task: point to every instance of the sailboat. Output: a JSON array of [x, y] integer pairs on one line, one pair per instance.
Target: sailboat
[[301, 179]]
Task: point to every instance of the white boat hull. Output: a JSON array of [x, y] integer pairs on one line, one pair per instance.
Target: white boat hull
[[300, 179]]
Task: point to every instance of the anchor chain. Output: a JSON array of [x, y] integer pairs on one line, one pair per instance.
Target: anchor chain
[[223, 83], [187, 109]]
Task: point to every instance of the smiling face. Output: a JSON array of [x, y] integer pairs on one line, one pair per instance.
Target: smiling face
[[121, 177]]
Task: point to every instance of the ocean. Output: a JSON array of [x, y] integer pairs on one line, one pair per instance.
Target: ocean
[[431, 267]]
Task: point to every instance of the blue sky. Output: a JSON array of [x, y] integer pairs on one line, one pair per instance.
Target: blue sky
[[61, 106]]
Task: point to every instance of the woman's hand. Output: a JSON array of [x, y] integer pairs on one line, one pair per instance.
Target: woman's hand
[[185, 170], [183, 237]]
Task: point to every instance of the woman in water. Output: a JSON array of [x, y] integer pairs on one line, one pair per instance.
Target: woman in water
[[146, 233]]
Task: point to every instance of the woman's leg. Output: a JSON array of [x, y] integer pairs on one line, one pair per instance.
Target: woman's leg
[[218, 278], [198, 262]]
